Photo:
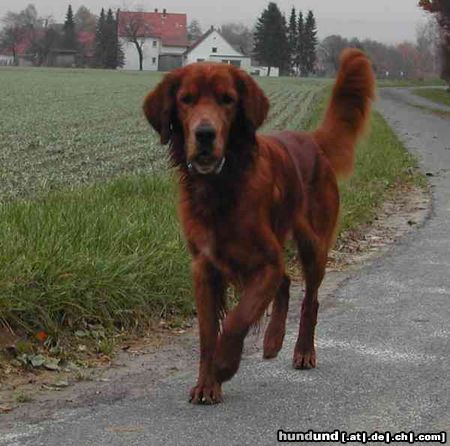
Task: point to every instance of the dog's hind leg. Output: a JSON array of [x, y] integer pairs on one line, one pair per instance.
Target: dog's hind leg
[[313, 255], [275, 331]]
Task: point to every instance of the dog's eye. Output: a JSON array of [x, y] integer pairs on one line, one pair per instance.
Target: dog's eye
[[187, 99], [226, 99]]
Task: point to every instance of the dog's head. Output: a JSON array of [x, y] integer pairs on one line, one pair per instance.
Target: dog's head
[[201, 107]]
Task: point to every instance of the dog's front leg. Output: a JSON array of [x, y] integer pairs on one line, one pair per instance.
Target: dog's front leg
[[258, 292], [209, 296]]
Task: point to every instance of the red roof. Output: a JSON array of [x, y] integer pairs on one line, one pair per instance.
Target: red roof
[[86, 38], [169, 27]]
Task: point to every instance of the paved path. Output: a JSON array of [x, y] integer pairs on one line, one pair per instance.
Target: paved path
[[383, 350]]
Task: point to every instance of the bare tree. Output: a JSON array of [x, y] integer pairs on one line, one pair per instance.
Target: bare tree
[[19, 26], [194, 31], [239, 36], [329, 52], [441, 8], [85, 19], [10, 38], [136, 30], [428, 45]]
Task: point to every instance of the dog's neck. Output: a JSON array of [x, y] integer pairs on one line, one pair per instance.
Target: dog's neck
[[215, 196]]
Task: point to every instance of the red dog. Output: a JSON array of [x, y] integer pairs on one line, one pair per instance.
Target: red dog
[[243, 194]]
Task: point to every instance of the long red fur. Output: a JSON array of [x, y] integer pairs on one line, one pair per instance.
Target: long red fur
[[272, 186], [348, 111]]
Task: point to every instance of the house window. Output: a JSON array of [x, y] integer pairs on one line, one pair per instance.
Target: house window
[[155, 43], [214, 50], [153, 60]]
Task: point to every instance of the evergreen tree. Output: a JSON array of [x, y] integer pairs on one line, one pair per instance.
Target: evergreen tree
[[300, 60], [271, 43], [113, 55], [293, 39], [100, 41], [69, 41], [310, 43]]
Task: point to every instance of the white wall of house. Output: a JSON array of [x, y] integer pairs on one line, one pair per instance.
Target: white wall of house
[[240, 61], [179, 50], [214, 48], [150, 49]]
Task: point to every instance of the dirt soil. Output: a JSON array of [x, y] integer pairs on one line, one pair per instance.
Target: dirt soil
[[138, 364]]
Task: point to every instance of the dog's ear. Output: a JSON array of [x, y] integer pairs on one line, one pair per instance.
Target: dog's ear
[[159, 106], [254, 102]]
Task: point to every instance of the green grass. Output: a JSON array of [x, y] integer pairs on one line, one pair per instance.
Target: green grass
[[64, 128], [88, 228], [109, 254], [381, 164], [437, 95], [430, 82]]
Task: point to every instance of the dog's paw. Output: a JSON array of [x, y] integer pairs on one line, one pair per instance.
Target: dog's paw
[[272, 345], [206, 394], [304, 360]]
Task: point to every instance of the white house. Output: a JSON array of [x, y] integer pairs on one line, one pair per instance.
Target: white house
[[163, 37], [212, 47], [6, 59]]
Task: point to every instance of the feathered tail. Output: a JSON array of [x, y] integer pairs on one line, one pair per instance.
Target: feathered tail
[[348, 111]]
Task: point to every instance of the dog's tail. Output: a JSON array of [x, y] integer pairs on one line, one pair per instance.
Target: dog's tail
[[348, 111]]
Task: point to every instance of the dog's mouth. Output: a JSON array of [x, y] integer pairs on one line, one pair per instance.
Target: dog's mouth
[[206, 164]]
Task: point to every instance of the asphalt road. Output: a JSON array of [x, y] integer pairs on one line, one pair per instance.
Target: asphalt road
[[383, 350]]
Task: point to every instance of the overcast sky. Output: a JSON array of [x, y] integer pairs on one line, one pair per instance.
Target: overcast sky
[[385, 20]]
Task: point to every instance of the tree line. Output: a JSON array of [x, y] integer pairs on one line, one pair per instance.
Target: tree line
[[290, 47], [92, 40], [406, 60]]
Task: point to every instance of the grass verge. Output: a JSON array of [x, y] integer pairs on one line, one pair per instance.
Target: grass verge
[[110, 254], [437, 95], [411, 82]]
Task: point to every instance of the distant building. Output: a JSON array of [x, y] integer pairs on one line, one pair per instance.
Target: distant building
[[213, 47], [6, 59], [264, 71], [55, 57], [164, 37]]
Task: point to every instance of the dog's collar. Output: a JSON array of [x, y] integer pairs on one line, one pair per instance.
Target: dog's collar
[[218, 170], [220, 166]]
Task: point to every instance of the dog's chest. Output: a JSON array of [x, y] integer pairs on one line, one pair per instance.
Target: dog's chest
[[228, 248]]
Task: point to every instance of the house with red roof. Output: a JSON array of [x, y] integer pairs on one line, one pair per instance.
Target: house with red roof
[[162, 37]]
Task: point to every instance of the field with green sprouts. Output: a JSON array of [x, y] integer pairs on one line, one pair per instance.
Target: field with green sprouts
[[88, 228]]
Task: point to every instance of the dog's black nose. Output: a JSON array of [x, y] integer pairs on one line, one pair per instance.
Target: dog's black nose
[[205, 135]]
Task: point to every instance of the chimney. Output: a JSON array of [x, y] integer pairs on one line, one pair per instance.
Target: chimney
[[156, 9]]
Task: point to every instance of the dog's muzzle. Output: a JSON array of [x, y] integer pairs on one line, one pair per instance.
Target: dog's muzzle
[[206, 165]]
